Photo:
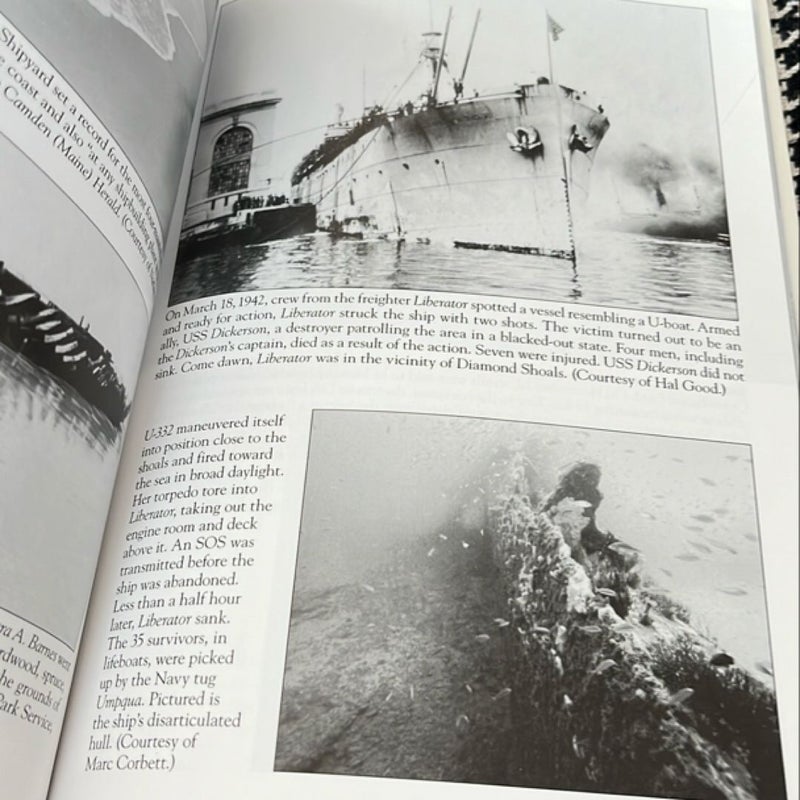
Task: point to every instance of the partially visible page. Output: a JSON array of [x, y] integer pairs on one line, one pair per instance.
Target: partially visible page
[[466, 460], [96, 102], [780, 122]]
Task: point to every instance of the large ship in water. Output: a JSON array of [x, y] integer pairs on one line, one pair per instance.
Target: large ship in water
[[502, 171]]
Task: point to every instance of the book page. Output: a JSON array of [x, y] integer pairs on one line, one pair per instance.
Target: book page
[[775, 52], [97, 101], [467, 453]]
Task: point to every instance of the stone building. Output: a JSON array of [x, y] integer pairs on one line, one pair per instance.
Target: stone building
[[231, 160]]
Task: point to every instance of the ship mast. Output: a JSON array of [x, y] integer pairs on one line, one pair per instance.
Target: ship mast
[[441, 57], [553, 29], [469, 49]]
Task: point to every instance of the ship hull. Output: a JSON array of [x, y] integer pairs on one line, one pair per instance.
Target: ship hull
[[451, 174], [49, 338], [256, 227]]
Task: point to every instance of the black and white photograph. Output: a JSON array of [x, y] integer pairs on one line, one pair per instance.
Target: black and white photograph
[[520, 604], [567, 152], [137, 64], [72, 325]]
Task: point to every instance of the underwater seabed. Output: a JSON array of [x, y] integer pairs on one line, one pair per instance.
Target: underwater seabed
[[512, 648]]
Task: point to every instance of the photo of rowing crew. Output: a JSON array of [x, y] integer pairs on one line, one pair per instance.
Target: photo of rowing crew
[[72, 328]]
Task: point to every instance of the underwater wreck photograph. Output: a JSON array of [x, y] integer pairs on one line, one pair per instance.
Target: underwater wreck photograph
[[515, 150], [519, 604]]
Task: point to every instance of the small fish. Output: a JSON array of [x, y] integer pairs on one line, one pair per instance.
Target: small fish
[[559, 665], [367, 587], [699, 546], [481, 531], [468, 688], [431, 551], [681, 696], [606, 592], [604, 665], [462, 722], [501, 623], [687, 557], [708, 481], [721, 544], [567, 703], [695, 528], [541, 629], [666, 572], [591, 629], [501, 694], [411, 692], [647, 515], [735, 591], [721, 660], [483, 637], [765, 667], [582, 503], [388, 697], [577, 748], [622, 548], [465, 545], [561, 638], [703, 517], [442, 537]]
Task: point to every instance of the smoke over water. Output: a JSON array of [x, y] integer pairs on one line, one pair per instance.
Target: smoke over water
[[664, 194]]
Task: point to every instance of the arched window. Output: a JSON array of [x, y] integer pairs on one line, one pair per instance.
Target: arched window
[[230, 163]]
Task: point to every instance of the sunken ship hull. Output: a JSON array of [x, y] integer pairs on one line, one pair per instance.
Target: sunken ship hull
[[49, 338], [503, 172]]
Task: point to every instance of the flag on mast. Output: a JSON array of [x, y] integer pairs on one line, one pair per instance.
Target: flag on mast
[[554, 28]]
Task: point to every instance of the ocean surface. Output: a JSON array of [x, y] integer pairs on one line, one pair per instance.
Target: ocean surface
[[57, 469], [623, 270]]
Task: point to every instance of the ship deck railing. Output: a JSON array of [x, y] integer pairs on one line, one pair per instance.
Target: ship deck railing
[[219, 207], [338, 134], [519, 90]]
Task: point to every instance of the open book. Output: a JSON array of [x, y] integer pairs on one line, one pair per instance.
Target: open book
[[396, 400]]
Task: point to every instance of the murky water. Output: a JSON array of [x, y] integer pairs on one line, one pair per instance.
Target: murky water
[[394, 632], [617, 269], [57, 468]]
